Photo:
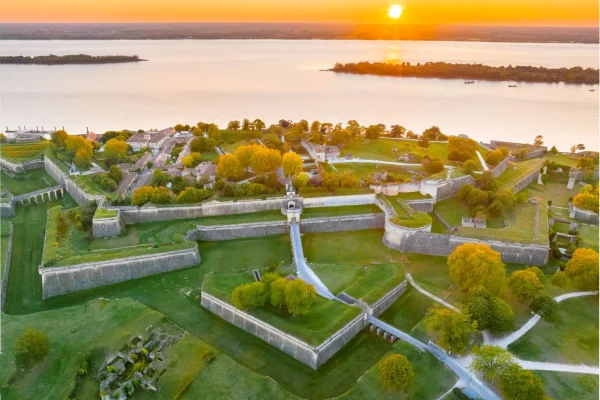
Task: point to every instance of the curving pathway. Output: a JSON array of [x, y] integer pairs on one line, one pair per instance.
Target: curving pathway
[[516, 335], [558, 367], [426, 293]]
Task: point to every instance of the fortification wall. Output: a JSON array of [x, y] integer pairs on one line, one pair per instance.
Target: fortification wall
[[333, 201], [333, 344], [382, 304], [501, 167], [73, 278], [528, 254], [395, 235], [425, 205], [534, 154], [6, 272], [78, 194], [343, 223], [447, 189], [107, 227], [34, 164], [526, 181], [583, 215], [12, 167], [237, 231], [7, 209]]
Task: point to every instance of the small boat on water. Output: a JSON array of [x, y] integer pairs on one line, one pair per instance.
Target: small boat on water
[[469, 82], [512, 85]]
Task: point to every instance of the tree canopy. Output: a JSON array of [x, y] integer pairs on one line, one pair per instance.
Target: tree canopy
[[525, 284], [490, 361], [582, 269], [396, 372], [31, 348], [292, 164], [471, 265], [229, 167], [451, 329]]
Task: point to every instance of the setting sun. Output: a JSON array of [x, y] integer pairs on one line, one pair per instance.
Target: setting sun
[[395, 11]]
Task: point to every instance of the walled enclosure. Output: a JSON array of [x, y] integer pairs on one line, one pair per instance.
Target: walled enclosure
[[6, 272], [107, 227], [61, 280], [586, 216], [78, 194]]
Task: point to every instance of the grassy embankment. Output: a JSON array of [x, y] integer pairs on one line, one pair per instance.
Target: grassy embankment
[[4, 240], [31, 181], [516, 171], [405, 215]]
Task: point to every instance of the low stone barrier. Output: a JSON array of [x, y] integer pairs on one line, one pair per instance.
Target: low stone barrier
[[333, 201], [16, 168], [526, 181], [6, 272], [343, 223], [449, 188], [309, 355], [7, 209], [586, 216], [73, 278], [501, 167], [107, 227], [386, 301], [237, 231], [425, 205]]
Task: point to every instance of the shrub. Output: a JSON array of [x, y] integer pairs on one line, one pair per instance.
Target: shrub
[[545, 306], [31, 348], [396, 372], [525, 284]]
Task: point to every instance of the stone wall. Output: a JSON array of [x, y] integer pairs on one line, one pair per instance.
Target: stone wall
[[6, 272], [583, 215], [333, 201], [73, 278], [342, 223], [34, 164], [526, 181], [390, 297], [334, 343], [237, 231], [425, 205], [501, 167], [7, 209], [78, 194], [16, 168], [447, 189], [107, 227]]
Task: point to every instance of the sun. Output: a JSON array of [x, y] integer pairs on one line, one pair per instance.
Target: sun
[[395, 11]]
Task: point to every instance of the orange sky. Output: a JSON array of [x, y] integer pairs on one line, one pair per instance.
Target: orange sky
[[469, 12]]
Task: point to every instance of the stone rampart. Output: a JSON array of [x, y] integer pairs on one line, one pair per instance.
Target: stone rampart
[[333, 201], [526, 181], [16, 168], [6, 272], [534, 154], [34, 164], [449, 188], [425, 205], [7, 209], [237, 231], [390, 297], [586, 216], [343, 223], [61, 280], [77, 193], [501, 167], [107, 227]]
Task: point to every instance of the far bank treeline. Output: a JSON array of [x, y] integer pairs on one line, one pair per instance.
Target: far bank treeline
[[576, 75], [68, 59]]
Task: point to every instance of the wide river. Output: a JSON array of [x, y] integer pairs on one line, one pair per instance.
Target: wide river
[[194, 80]]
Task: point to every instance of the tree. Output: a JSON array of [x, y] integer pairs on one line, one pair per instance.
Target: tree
[[585, 163], [265, 160], [303, 125], [470, 166], [495, 209], [142, 195], [554, 150], [202, 145], [299, 297], [502, 316], [82, 158], [188, 161], [396, 372], [249, 295], [62, 228], [193, 195], [229, 167], [519, 384], [348, 180], [160, 178], [2, 138], [245, 153], [434, 166], [339, 137], [472, 264], [233, 125], [162, 195], [373, 132], [115, 151], [488, 311], [315, 126], [545, 306], [179, 128], [80, 150], [586, 201], [465, 145], [538, 141], [486, 181], [559, 279], [115, 173], [582, 269], [525, 284], [434, 133], [490, 361], [31, 348], [397, 131], [353, 127], [330, 180], [423, 142], [301, 180], [258, 124], [493, 157], [246, 125], [316, 137], [59, 138], [580, 147], [292, 164], [277, 290], [453, 330]]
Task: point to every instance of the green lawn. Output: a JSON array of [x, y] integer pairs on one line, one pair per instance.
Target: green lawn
[[324, 319], [573, 339], [102, 213], [432, 379], [569, 386], [407, 312], [26, 183], [368, 282], [318, 212], [4, 239], [452, 210], [564, 159], [362, 170], [589, 236], [520, 226], [516, 171], [232, 147], [557, 192], [381, 149]]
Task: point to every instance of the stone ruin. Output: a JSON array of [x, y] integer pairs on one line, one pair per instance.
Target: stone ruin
[[137, 365]]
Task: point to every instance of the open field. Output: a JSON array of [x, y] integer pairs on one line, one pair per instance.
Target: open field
[[452, 210], [564, 159], [368, 282], [381, 149], [318, 212], [589, 236], [553, 191], [4, 239], [19, 152], [362, 170], [572, 339], [26, 183], [521, 226], [324, 318], [232, 147], [516, 171], [408, 311], [238, 135], [569, 386]]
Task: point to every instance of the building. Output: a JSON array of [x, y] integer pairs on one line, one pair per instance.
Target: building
[[321, 152], [94, 137], [152, 140]]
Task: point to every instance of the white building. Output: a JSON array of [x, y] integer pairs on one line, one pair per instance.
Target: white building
[[152, 140]]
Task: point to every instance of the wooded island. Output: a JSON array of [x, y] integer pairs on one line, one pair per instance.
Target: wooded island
[[68, 59], [576, 75]]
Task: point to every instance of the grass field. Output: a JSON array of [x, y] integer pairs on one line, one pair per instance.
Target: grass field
[[318, 212], [381, 149], [4, 240], [102, 213], [232, 147], [19, 152], [362, 170], [324, 319], [452, 210], [589, 236], [554, 191], [26, 183], [367, 282], [573, 339], [564, 159], [516, 171], [568, 386]]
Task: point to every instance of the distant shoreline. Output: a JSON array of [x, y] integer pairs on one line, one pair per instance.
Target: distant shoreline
[[473, 72], [297, 31], [71, 59]]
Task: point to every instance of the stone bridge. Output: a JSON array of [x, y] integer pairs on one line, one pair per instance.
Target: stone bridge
[[39, 196]]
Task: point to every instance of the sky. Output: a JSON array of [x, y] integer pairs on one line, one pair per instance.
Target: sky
[[429, 12]]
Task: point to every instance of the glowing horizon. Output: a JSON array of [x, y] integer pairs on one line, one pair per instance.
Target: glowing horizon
[[576, 13]]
